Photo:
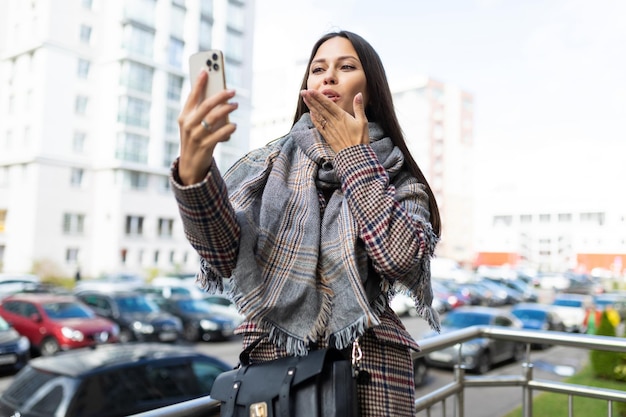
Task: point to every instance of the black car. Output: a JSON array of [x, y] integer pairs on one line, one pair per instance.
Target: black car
[[110, 380], [14, 348], [477, 355], [201, 319], [138, 317]]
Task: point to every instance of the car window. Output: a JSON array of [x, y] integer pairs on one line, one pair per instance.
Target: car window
[[206, 373], [568, 303], [503, 321], [136, 304], [98, 303], [67, 310], [460, 320], [49, 403], [529, 314]]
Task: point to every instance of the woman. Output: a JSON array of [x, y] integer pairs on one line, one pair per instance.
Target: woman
[[319, 228]]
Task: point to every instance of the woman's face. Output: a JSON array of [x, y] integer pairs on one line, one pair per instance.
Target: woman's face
[[336, 72]]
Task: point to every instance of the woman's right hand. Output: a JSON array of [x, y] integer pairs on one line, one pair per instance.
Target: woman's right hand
[[197, 137]]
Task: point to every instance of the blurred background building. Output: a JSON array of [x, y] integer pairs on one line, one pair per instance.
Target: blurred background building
[[90, 92]]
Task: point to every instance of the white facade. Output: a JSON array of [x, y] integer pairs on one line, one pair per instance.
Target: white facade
[[437, 120], [89, 96]]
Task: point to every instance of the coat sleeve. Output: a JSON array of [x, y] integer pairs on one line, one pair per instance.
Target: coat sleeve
[[209, 222]]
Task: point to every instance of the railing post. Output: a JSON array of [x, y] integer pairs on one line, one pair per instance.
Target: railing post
[[459, 377], [527, 392]]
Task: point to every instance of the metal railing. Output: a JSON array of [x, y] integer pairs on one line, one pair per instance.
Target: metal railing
[[454, 390]]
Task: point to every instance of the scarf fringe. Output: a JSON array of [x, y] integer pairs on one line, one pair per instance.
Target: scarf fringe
[[208, 280]]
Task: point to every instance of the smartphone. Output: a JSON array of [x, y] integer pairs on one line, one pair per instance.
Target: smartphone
[[213, 62]]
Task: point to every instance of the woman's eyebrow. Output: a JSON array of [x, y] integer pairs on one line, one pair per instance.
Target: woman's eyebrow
[[315, 61]]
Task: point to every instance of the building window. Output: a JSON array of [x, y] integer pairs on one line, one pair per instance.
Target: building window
[[134, 111], [11, 104], [71, 255], [73, 224], [134, 226], [134, 180], [76, 177], [78, 142], [141, 11], [175, 52], [165, 186], [165, 227], [80, 105], [205, 33], [85, 34], [206, 7], [174, 87], [172, 257], [234, 46], [236, 17], [502, 220], [525, 218], [138, 41], [177, 21], [597, 218], [132, 147], [565, 217], [83, 69], [137, 77], [171, 121], [170, 152], [544, 218], [87, 4], [156, 257], [123, 255]]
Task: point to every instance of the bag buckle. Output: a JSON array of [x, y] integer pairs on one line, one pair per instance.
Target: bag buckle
[[258, 409]]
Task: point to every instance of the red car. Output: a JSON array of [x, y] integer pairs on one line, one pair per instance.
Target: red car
[[54, 322]]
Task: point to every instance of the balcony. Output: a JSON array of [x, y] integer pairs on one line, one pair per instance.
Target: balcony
[[450, 397]]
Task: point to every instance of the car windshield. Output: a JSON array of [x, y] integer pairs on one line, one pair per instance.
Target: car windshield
[[194, 306], [136, 304], [460, 320], [568, 303], [67, 310], [3, 324], [529, 314]]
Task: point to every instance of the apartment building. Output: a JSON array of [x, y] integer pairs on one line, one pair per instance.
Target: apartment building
[[90, 92], [438, 122]]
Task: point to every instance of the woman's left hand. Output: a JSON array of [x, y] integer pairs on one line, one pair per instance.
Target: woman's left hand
[[339, 128]]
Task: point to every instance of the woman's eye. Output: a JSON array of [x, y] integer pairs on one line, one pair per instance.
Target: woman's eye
[[316, 70], [348, 67]]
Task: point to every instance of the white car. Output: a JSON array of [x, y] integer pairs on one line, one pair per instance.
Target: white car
[[554, 282], [571, 308]]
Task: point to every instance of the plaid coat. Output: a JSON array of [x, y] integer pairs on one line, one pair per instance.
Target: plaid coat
[[214, 231]]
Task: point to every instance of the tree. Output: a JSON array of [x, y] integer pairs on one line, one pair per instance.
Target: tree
[[604, 362]]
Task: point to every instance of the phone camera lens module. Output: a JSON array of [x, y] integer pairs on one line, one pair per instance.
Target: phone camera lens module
[[215, 57], [209, 63], [216, 67]]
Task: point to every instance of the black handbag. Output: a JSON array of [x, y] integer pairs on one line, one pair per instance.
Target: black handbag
[[320, 384]]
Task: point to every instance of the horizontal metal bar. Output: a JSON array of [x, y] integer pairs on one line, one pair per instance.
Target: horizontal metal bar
[[578, 390], [437, 395]]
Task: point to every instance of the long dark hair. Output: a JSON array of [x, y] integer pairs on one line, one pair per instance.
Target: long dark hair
[[380, 108]]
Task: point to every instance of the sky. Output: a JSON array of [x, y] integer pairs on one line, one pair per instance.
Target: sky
[[548, 76]]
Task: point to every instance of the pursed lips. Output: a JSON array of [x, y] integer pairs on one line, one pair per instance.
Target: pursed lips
[[331, 95]]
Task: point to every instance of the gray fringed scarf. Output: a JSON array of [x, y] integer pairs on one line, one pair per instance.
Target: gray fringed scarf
[[300, 275]]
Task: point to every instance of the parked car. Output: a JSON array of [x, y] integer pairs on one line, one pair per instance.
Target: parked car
[[403, 305], [617, 300], [111, 282], [14, 283], [490, 297], [510, 295], [477, 355], [54, 322], [14, 348], [571, 308], [536, 316], [557, 282], [113, 380], [584, 284], [226, 302], [447, 297], [420, 371], [137, 316], [201, 319]]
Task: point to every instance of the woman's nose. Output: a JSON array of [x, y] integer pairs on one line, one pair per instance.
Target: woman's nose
[[330, 78]]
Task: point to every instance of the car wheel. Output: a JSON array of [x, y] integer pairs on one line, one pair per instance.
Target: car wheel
[[125, 336], [49, 346], [191, 333], [420, 371], [483, 364]]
